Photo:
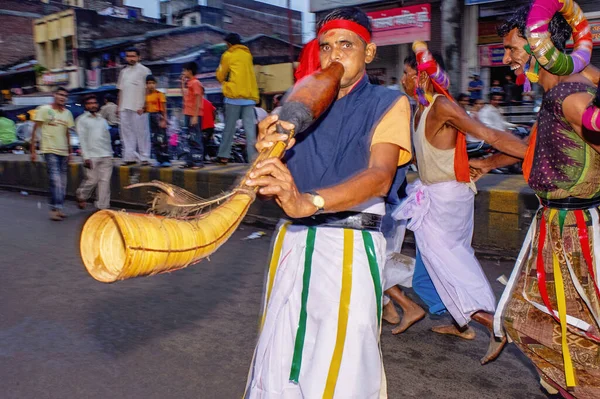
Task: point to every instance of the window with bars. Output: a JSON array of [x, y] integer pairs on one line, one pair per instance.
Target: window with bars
[[69, 50]]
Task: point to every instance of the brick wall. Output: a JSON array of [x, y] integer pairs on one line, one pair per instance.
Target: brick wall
[[249, 22], [99, 5], [169, 45], [245, 26], [267, 47], [17, 34], [34, 6], [91, 26]]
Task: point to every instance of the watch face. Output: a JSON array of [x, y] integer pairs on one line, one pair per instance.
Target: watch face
[[318, 201]]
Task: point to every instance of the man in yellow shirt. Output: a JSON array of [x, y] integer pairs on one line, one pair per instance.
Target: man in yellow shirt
[[156, 107], [236, 73], [54, 121]]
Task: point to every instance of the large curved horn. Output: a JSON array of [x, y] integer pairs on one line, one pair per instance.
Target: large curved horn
[[118, 245]]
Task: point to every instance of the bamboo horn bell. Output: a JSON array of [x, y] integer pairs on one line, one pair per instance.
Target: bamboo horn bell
[[117, 245]]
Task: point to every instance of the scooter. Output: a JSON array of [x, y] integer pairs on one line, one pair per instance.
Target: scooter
[[481, 149]]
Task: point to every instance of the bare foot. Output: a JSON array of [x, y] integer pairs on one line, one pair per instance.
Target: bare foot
[[468, 333], [390, 314], [411, 316], [494, 349]]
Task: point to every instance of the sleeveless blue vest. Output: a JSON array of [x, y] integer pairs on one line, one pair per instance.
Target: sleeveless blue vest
[[338, 145]]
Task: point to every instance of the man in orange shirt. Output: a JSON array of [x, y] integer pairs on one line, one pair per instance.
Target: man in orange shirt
[[193, 146], [156, 107]]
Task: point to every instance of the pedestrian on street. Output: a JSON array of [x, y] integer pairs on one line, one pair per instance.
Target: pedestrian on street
[[8, 131], [110, 112], [135, 135], [491, 114], [193, 106], [208, 123], [496, 88], [236, 73], [25, 129], [156, 107], [475, 88], [96, 150], [511, 91], [54, 121]]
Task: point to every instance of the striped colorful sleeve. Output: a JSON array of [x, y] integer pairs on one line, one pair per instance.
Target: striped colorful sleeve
[[394, 128]]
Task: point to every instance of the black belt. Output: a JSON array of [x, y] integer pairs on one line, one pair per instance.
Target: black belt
[[571, 203], [344, 220]]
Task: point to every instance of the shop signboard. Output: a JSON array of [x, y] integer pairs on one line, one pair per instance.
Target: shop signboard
[[401, 25], [93, 78], [55, 78], [491, 55]]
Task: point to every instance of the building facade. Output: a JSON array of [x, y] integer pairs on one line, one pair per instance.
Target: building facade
[[396, 26], [246, 17], [485, 47], [66, 42], [462, 31]]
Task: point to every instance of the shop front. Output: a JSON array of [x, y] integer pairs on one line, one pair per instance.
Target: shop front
[[394, 30]]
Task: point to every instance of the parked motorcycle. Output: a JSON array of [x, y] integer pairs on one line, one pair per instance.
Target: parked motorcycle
[[238, 148], [481, 149]]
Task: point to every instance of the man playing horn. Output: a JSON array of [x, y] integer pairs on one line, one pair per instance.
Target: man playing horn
[[551, 305], [441, 203], [322, 311]]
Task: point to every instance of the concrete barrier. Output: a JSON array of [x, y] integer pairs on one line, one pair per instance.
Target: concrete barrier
[[504, 205]]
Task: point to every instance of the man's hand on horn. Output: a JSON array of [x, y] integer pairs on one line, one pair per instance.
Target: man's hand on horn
[[274, 179], [268, 136]]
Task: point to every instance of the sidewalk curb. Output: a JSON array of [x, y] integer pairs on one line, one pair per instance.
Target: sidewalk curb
[[504, 205]]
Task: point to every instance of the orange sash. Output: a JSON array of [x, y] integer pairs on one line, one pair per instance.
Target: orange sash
[[461, 158], [528, 161]]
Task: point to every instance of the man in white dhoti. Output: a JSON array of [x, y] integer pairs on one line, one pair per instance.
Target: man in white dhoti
[[322, 312], [135, 128], [440, 204]]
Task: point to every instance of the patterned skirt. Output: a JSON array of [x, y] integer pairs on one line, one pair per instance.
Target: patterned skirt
[[551, 307]]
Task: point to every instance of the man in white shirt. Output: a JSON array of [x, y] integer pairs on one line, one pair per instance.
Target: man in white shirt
[[135, 133], [96, 150], [491, 115]]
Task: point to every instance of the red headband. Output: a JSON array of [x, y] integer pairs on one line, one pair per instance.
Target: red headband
[[348, 25], [309, 58]]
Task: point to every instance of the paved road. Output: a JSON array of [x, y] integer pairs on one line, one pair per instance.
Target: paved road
[[189, 334]]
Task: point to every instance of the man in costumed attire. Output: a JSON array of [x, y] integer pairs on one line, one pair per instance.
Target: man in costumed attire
[[441, 203], [322, 312], [551, 305]]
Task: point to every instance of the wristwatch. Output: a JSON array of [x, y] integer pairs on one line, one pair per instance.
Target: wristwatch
[[317, 201]]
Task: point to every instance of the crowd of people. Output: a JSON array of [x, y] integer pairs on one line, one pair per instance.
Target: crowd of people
[[136, 126]]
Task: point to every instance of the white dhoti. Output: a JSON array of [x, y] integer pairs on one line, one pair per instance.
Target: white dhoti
[[322, 316], [442, 219], [135, 136]]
